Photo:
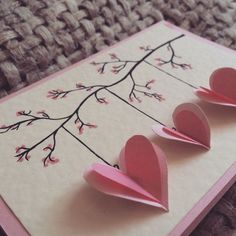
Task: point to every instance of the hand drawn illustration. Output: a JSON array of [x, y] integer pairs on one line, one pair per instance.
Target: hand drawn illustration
[[137, 93]]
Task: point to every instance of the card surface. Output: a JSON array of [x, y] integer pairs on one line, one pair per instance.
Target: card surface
[[54, 130]]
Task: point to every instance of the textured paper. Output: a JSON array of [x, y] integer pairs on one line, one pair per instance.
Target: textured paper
[[223, 88], [191, 126], [142, 175], [55, 200]]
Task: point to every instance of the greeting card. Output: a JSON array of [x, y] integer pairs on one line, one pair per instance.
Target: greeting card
[[82, 117]]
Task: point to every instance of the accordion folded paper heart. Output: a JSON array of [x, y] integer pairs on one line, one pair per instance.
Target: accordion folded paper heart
[[223, 88], [142, 176], [191, 126]]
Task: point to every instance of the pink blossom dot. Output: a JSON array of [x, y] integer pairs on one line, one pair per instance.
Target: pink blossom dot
[[92, 126], [79, 85], [139, 100], [39, 112], [113, 56], [19, 113], [55, 161], [81, 130]]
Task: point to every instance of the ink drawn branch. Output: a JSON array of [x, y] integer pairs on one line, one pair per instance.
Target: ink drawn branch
[[172, 61], [30, 119], [117, 65], [144, 90]]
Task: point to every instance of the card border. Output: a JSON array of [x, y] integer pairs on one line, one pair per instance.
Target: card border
[[205, 204], [9, 221]]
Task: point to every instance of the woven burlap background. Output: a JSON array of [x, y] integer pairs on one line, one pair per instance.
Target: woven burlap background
[[40, 37]]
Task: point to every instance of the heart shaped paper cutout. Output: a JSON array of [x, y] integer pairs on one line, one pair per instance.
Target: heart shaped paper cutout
[[223, 88], [191, 126], [142, 176]]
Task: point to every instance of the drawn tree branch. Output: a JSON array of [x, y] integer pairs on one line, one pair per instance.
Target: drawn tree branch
[[118, 65], [172, 60]]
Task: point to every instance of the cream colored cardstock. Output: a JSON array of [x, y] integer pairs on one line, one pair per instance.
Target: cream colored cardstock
[[143, 79]]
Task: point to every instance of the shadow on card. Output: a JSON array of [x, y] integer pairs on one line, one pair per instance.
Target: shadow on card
[[177, 152], [91, 212], [219, 116]]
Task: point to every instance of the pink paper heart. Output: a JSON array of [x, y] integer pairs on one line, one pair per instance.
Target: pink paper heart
[[191, 126], [142, 177], [223, 88]]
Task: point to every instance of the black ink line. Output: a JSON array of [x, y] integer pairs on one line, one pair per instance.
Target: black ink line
[[143, 59], [172, 76], [119, 81], [123, 100], [85, 145], [76, 111], [115, 83]]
